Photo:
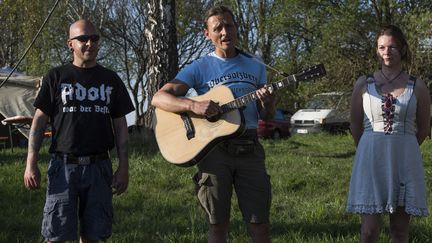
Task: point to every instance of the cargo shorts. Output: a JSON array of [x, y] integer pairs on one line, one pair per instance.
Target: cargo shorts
[[78, 192], [221, 171]]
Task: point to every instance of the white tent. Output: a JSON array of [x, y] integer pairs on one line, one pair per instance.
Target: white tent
[[17, 96]]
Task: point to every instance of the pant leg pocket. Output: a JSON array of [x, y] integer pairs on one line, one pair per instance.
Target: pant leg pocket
[[59, 220], [104, 230], [109, 215], [48, 227], [203, 183]]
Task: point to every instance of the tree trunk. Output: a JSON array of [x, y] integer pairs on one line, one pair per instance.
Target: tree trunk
[[163, 58], [265, 39]]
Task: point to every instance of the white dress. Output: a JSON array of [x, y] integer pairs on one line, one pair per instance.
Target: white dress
[[388, 168]]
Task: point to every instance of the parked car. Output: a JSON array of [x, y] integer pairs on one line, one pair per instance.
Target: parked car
[[325, 111], [278, 127]]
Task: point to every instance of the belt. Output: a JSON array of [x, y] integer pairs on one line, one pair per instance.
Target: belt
[[249, 134], [81, 160]]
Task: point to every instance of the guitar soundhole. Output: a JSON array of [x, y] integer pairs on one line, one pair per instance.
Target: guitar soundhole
[[214, 118]]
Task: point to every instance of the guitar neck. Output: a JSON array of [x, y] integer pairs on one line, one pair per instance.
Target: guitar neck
[[308, 74], [252, 96]]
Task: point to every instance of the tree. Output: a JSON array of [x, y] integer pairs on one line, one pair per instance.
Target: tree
[[10, 33], [147, 41], [341, 34], [191, 42], [123, 28], [162, 40], [20, 22]]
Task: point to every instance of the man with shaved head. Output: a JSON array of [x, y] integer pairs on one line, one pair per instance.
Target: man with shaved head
[[85, 105]]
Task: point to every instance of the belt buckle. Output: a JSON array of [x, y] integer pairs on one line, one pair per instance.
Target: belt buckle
[[84, 160]]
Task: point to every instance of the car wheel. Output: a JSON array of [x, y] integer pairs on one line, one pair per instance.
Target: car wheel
[[276, 134]]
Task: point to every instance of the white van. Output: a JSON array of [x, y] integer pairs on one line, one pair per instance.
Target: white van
[[325, 111]]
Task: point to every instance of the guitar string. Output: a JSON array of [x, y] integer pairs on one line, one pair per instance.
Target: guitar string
[[241, 101]]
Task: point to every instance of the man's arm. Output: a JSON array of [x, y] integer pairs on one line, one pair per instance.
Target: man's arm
[[32, 175], [167, 98], [121, 176]]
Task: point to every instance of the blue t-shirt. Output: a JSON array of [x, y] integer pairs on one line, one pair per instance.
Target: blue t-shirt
[[241, 74]]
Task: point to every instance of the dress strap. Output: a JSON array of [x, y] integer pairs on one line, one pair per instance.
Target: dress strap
[[410, 91], [371, 87], [370, 79], [412, 81]]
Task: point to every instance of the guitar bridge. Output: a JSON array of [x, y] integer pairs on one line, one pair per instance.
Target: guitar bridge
[[187, 122]]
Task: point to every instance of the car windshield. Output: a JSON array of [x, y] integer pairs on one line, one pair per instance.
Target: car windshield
[[279, 115], [323, 102]]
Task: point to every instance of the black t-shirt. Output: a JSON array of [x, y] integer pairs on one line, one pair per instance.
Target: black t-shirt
[[81, 103]]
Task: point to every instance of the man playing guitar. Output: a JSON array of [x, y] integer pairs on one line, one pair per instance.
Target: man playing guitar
[[237, 162]]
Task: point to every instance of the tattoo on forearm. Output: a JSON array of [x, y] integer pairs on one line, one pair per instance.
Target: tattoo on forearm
[[36, 137]]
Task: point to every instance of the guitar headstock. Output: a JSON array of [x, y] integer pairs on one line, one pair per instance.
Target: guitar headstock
[[311, 73]]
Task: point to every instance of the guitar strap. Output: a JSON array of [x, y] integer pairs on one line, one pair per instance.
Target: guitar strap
[[283, 74]]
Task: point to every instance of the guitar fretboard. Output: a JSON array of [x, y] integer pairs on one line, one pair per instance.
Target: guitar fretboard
[[252, 96], [308, 74]]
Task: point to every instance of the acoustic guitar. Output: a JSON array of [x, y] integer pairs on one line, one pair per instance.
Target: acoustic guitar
[[185, 138]]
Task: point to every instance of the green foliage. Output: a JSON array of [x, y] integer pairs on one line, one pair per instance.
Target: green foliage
[[289, 35], [9, 43], [310, 176], [340, 34], [24, 18], [50, 48], [418, 22]]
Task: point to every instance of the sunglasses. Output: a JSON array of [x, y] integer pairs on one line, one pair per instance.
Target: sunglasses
[[86, 38]]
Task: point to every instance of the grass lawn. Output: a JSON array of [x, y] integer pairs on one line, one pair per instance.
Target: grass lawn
[[309, 174]]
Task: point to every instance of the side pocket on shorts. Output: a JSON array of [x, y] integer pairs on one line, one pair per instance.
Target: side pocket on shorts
[[106, 221], [202, 184], [48, 230]]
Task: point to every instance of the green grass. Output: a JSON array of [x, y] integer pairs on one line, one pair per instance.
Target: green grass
[[309, 174]]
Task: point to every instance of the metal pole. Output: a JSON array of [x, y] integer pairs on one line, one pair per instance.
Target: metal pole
[[10, 137]]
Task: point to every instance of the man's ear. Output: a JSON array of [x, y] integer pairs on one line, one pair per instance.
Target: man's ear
[[69, 45], [206, 34]]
